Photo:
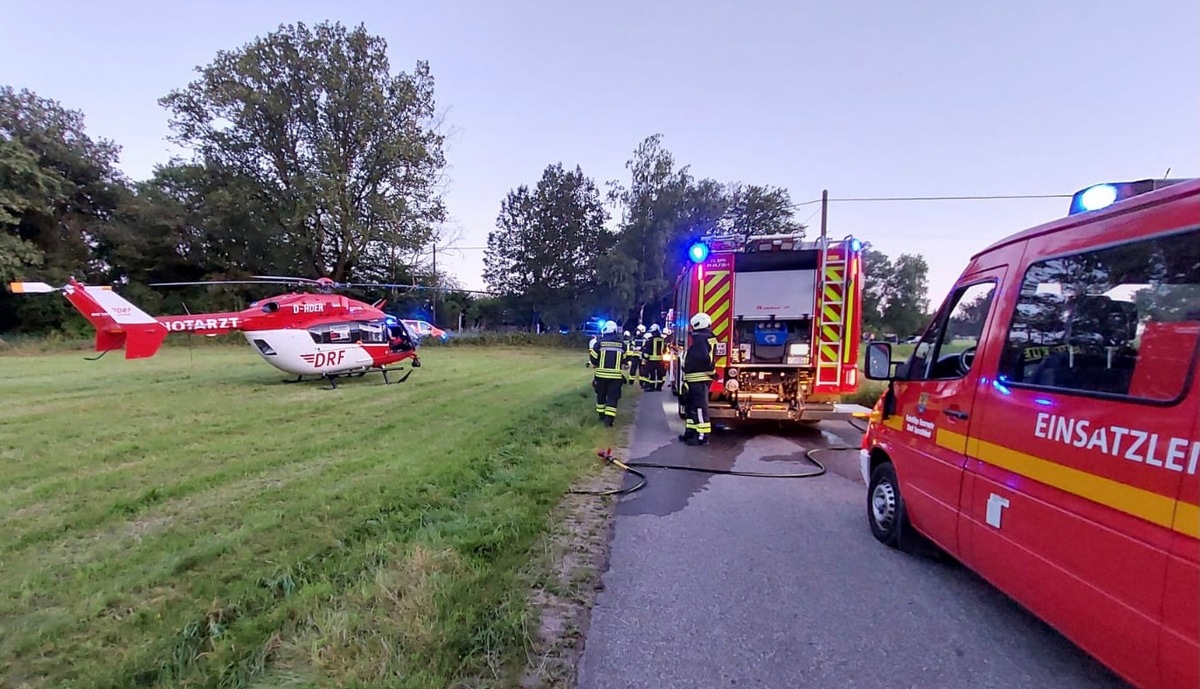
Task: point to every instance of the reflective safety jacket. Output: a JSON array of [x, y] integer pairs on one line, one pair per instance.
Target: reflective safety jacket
[[699, 363], [635, 348], [653, 350], [607, 354]]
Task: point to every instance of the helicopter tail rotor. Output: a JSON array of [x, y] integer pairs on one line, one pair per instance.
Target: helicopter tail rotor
[[32, 288]]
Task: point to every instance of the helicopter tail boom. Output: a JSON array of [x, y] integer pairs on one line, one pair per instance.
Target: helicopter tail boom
[[118, 323]]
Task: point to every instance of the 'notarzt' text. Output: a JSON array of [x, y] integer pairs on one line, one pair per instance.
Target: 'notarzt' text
[[186, 324]]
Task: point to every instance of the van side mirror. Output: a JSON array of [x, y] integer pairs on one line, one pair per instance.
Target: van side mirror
[[879, 361]]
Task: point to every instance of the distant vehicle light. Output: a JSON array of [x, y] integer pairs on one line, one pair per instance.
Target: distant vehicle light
[[698, 252], [1097, 197]]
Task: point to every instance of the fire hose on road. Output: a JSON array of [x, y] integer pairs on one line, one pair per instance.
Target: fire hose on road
[[606, 455]]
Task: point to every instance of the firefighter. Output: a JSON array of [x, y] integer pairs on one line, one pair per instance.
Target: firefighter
[[699, 371], [634, 355], [652, 360], [607, 355]]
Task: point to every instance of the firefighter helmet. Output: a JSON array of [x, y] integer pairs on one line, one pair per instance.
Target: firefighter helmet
[[626, 333], [641, 328], [610, 327], [701, 321], [654, 328]]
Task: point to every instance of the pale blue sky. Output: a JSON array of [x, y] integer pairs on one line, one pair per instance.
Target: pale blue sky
[[863, 98]]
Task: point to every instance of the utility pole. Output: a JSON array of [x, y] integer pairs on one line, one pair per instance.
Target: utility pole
[[435, 282], [824, 212]]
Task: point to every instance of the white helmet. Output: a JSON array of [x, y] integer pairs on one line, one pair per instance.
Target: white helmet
[[701, 321], [626, 333], [641, 328], [610, 327], [654, 328]]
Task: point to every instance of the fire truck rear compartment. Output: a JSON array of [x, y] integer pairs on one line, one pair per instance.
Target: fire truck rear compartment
[[774, 392]]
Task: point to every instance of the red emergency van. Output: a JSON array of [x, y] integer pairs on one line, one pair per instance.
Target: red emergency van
[[1046, 429]]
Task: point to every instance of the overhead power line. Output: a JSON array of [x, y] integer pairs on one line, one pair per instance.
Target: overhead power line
[[981, 197]]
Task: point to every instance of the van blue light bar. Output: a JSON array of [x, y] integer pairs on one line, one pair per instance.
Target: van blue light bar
[[1103, 195]]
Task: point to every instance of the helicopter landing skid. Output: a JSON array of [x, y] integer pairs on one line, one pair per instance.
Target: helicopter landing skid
[[385, 372]]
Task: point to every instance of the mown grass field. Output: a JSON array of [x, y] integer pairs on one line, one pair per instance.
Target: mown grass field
[[189, 520]]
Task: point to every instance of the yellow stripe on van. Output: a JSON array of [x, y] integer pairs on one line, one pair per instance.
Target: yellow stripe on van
[[1187, 519], [955, 442], [1152, 507]]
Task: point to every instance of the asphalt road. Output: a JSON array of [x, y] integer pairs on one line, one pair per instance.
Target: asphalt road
[[725, 581]]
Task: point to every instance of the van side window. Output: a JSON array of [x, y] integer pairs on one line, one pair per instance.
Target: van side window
[[947, 350], [1122, 320]]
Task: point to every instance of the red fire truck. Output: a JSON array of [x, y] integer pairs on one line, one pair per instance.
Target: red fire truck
[[786, 318]]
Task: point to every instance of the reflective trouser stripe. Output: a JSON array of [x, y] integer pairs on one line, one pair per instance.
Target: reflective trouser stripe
[[610, 411], [703, 426]]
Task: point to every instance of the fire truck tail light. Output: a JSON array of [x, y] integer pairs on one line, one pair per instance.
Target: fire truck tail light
[[851, 377]]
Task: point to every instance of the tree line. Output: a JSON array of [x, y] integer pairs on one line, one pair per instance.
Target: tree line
[[558, 254], [307, 155]]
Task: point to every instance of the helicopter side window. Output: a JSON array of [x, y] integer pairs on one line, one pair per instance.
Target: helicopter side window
[[373, 332]]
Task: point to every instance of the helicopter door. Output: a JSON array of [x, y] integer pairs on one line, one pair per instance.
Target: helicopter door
[[401, 338]]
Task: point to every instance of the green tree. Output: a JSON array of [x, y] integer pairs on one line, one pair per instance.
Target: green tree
[[59, 191], [547, 242], [759, 210], [907, 288], [651, 226], [877, 273], [338, 156]]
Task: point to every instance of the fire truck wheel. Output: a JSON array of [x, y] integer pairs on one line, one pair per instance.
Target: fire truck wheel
[[886, 513]]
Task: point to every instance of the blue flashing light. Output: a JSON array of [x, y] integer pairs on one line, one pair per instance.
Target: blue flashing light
[[855, 245], [1044, 402], [1097, 197], [698, 252], [1106, 194]]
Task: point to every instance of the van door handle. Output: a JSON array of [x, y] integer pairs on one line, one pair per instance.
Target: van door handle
[[956, 414]]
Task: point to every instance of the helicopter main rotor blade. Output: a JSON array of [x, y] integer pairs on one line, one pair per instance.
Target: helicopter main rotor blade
[[309, 281], [381, 284], [224, 282]]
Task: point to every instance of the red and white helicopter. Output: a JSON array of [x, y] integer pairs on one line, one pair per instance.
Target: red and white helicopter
[[305, 334]]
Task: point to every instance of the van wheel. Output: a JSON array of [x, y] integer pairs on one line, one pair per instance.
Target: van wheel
[[886, 513]]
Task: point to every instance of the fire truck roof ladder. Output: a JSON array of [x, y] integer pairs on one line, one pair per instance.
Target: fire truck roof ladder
[[831, 321]]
